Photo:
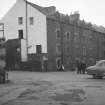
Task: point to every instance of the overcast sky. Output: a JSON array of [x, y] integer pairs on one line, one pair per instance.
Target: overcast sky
[[90, 10]]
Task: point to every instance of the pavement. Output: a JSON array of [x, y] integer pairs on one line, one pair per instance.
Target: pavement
[[52, 88]]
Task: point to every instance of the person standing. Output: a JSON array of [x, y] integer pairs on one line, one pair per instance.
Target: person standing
[[78, 64], [61, 67], [83, 67]]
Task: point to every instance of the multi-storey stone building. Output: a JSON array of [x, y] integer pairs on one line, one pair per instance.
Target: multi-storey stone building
[[79, 42]]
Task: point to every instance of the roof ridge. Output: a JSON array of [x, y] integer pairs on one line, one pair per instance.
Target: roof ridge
[[44, 10], [36, 6]]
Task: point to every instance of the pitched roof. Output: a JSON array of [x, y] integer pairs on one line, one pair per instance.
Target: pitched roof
[[44, 10]]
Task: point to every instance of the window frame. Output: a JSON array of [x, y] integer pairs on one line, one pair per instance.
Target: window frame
[[68, 34], [58, 36], [58, 50], [20, 20], [31, 20], [84, 51]]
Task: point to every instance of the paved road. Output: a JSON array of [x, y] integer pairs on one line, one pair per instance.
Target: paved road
[[52, 88]]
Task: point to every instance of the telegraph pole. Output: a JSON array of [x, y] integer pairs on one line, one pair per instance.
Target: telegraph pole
[[2, 29], [61, 41], [26, 29]]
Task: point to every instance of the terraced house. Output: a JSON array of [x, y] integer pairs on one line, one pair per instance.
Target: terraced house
[[41, 36]]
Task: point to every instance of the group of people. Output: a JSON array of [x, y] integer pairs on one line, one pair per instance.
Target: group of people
[[81, 67]]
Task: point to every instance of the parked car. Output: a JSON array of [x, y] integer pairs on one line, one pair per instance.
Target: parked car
[[98, 70]]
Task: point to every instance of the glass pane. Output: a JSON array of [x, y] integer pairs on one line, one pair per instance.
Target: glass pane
[[31, 20]]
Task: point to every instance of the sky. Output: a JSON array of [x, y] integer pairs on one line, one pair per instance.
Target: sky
[[90, 10]]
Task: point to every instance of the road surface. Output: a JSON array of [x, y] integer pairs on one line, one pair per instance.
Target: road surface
[[52, 88]]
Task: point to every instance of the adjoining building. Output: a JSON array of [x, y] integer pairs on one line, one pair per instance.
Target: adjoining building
[[45, 36]]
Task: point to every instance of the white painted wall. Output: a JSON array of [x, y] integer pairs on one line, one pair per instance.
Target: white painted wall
[[23, 51], [36, 33], [1, 30]]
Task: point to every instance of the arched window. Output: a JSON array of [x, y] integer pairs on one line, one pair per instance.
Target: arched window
[[58, 48], [58, 36], [67, 35], [84, 51]]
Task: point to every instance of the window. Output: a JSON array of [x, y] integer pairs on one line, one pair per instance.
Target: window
[[58, 48], [20, 20], [101, 64], [68, 35], [20, 32], [84, 51], [31, 20], [58, 34], [38, 49]]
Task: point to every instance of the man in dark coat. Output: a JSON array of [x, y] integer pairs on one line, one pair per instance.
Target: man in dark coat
[[83, 67], [78, 64]]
